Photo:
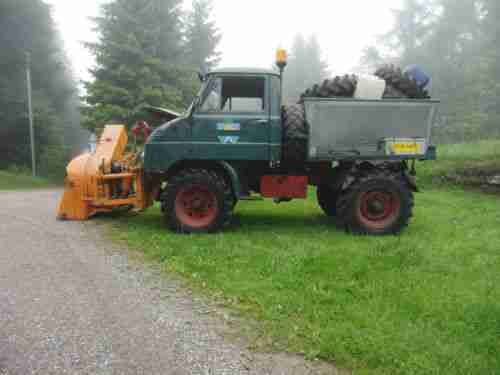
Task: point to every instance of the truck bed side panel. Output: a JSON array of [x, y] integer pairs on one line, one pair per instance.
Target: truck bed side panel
[[347, 128]]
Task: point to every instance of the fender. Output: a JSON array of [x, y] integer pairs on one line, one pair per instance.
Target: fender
[[222, 166]]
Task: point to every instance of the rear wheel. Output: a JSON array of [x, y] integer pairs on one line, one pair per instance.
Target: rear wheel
[[327, 199], [197, 201], [377, 203]]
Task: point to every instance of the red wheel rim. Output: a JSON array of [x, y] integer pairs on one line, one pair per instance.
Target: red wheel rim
[[379, 209], [196, 206]]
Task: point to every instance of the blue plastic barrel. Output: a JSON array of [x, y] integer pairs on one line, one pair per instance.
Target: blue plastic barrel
[[418, 74]]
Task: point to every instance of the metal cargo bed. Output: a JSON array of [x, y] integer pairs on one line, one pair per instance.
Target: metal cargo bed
[[368, 129]]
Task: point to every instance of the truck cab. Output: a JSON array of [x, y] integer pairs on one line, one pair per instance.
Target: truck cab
[[236, 116]]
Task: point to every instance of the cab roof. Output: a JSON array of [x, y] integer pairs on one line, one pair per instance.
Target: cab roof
[[244, 71]]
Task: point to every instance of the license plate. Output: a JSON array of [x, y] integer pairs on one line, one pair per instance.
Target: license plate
[[404, 148]]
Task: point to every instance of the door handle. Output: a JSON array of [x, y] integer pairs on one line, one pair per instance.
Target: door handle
[[262, 121]]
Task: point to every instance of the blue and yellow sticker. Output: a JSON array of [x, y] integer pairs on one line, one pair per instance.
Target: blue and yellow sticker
[[229, 127], [228, 140]]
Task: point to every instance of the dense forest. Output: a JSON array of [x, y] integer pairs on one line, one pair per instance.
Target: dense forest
[[458, 43], [26, 26], [148, 52]]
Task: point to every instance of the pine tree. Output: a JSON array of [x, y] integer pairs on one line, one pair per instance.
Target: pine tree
[[316, 69], [202, 35], [455, 75], [305, 67], [412, 26], [490, 52], [371, 59], [27, 26], [138, 58], [295, 73]]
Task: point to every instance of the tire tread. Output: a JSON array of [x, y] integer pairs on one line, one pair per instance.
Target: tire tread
[[223, 189]]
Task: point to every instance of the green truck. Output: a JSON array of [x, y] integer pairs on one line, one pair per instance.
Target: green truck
[[237, 140]]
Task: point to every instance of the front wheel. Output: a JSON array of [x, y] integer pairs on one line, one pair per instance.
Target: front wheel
[[197, 201], [378, 203]]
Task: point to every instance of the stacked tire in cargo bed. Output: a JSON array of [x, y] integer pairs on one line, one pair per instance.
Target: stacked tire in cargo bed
[[339, 87], [295, 130], [398, 85]]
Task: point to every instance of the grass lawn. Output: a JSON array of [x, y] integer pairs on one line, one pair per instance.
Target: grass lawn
[[426, 302], [484, 156], [15, 181]]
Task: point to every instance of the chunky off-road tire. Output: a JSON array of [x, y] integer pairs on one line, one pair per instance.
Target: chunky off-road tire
[[399, 84], [197, 201], [327, 199], [295, 134], [392, 92], [343, 87], [378, 202]]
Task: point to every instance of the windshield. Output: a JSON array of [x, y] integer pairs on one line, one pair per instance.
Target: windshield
[[212, 97], [196, 99]]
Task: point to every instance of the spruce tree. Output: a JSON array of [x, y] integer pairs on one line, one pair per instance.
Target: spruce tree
[[27, 26], [138, 58], [305, 67], [202, 35], [371, 59], [490, 72], [316, 68], [412, 27]]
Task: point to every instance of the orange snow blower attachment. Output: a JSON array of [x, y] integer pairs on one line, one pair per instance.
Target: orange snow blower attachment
[[104, 180]]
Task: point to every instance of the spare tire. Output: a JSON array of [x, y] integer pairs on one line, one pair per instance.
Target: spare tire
[[392, 92], [295, 134], [343, 87], [399, 84]]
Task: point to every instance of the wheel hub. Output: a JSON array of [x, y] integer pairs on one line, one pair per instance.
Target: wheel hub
[[196, 206], [376, 206], [379, 208]]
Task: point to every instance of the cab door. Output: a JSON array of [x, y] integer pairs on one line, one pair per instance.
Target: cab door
[[232, 121]]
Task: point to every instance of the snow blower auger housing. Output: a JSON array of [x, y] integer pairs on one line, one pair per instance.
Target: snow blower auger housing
[[104, 180]]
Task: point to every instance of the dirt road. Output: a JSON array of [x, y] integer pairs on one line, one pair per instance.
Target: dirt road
[[71, 302]]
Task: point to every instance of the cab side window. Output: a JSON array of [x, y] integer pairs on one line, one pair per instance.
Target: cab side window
[[235, 94]]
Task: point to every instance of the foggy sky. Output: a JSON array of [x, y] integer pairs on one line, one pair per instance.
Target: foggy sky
[[252, 30]]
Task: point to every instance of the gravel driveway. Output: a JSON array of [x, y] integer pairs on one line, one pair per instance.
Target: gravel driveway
[[71, 302]]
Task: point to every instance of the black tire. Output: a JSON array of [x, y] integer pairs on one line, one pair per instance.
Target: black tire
[[378, 202], [399, 84], [295, 134], [327, 199], [337, 87], [393, 93], [185, 216]]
